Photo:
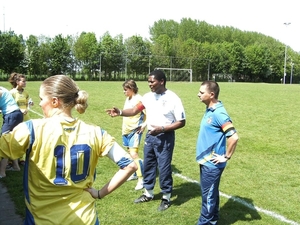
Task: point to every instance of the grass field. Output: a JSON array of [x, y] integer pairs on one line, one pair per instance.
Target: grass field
[[259, 186]]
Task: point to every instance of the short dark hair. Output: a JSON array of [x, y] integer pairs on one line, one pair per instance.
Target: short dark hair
[[212, 86], [159, 75]]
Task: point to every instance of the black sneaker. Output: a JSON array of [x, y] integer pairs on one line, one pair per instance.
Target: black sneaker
[[142, 199], [165, 204]]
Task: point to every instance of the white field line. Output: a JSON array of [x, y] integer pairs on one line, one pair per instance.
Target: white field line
[[36, 113], [248, 205]]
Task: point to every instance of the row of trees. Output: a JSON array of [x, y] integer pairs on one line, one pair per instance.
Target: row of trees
[[206, 49]]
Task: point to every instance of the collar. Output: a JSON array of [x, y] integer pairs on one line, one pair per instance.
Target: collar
[[215, 106]]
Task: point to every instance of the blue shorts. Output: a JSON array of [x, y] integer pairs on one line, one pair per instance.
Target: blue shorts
[[11, 120], [132, 140]]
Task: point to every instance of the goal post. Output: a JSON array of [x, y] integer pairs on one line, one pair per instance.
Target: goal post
[[190, 71]]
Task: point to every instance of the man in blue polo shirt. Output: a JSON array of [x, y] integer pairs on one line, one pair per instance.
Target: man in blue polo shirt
[[212, 152]]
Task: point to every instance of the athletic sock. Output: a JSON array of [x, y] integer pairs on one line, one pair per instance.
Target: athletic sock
[[139, 163], [167, 196], [149, 193]]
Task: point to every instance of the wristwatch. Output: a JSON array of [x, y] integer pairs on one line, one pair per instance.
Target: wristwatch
[[226, 157]]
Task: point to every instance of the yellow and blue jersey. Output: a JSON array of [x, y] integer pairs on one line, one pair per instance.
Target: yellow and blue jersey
[[130, 123], [22, 100], [61, 160]]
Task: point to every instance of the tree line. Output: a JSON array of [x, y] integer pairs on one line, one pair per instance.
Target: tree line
[[191, 44]]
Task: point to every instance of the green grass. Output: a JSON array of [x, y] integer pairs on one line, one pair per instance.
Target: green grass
[[264, 171]]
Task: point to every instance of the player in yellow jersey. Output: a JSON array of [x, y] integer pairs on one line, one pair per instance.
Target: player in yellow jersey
[[21, 96], [62, 153], [132, 129], [18, 82]]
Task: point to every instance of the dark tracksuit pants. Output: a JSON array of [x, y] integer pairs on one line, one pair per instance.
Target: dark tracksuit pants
[[209, 183], [158, 152]]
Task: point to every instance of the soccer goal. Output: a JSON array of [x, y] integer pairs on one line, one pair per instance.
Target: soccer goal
[[177, 74]]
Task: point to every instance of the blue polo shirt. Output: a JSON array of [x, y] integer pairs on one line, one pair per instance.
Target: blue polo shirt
[[215, 127], [7, 102]]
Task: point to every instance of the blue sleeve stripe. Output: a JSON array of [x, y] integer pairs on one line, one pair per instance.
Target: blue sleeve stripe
[[123, 162], [25, 177]]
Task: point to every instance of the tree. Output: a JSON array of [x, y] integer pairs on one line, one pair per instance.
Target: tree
[[138, 53], [60, 55], [162, 50], [45, 55], [164, 27], [230, 58], [86, 51], [189, 29], [12, 48], [32, 55], [257, 62], [112, 53], [186, 52]]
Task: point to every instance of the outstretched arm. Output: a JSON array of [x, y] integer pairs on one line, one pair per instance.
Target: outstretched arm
[[125, 112]]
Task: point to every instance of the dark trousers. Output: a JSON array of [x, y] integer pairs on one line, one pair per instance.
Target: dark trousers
[[158, 153], [11, 120], [209, 183]]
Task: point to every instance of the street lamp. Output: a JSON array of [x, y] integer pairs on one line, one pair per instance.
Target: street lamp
[[100, 68], [284, 71], [291, 79]]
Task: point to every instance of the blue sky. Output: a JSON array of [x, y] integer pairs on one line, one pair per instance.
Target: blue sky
[[133, 17]]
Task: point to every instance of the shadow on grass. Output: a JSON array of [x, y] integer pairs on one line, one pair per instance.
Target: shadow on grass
[[238, 209], [184, 192], [235, 209]]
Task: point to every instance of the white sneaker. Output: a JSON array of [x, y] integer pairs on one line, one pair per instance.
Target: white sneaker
[[139, 185], [132, 177]]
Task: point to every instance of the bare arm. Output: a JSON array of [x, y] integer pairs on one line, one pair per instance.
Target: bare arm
[[117, 180], [162, 129], [126, 112], [231, 145], [127, 167]]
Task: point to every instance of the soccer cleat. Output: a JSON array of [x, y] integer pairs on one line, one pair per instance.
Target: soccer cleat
[[132, 177], [165, 204], [142, 199], [139, 185]]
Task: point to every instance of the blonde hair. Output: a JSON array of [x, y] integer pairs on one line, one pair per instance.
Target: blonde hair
[[65, 89]]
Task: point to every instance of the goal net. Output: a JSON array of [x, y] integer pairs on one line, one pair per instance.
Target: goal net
[[176, 74]]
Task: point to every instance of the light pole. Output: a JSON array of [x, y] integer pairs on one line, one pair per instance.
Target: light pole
[[284, 70], [291, 79], [100, 65]]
